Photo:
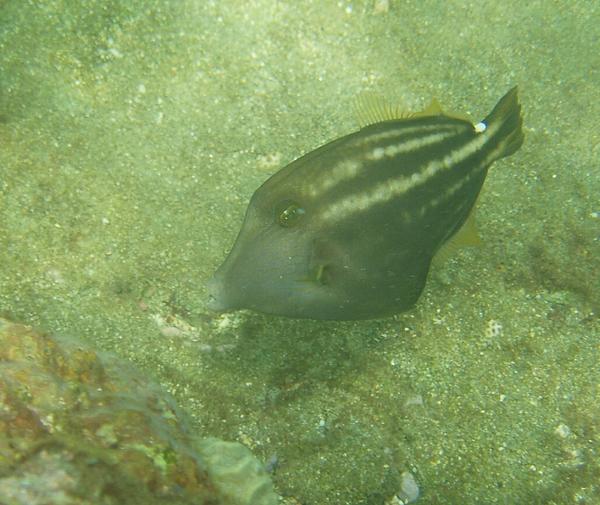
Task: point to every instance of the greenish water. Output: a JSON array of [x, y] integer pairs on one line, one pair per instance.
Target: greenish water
[[132, 135]]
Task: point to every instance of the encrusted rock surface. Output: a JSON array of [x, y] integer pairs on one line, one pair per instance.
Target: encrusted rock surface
[[77, 427]]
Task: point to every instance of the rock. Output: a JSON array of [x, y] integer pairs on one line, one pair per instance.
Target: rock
[[77, 428], [239, 476], [409, 489]]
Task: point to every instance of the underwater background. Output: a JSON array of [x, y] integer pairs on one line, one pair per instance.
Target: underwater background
[[132, 135]]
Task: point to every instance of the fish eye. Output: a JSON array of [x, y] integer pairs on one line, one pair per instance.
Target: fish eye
[[289, 214]]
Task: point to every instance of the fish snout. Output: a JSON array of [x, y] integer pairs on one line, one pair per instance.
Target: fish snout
[[217, 299]]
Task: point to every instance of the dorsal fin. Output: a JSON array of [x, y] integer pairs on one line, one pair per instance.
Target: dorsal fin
[[371, 108], [433, 109]]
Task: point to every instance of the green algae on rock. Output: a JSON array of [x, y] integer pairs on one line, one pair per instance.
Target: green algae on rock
[[80, 428]]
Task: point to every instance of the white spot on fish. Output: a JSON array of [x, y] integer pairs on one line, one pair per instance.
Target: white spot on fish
[[378, 153]]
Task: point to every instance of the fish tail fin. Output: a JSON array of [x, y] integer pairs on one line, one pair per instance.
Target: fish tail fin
[[506, 117]]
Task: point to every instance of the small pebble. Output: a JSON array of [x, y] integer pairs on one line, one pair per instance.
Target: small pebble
[[416, 400], [409, 489], [562, 430], [170, 331], [381, 6], [493, 329], [272, 464]]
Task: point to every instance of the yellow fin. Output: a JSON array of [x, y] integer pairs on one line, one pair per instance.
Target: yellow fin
[[435, 109], [372, 108], [466, 236]]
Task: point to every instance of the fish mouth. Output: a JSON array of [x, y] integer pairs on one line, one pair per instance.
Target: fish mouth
[[215, 305], [217, 301]]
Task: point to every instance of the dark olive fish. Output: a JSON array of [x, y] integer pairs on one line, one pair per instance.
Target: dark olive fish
[[348, 231]]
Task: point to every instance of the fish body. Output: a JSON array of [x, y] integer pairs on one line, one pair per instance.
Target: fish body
[[349, 230]]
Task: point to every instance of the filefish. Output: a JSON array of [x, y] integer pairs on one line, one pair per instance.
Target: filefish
[[349, 230]]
